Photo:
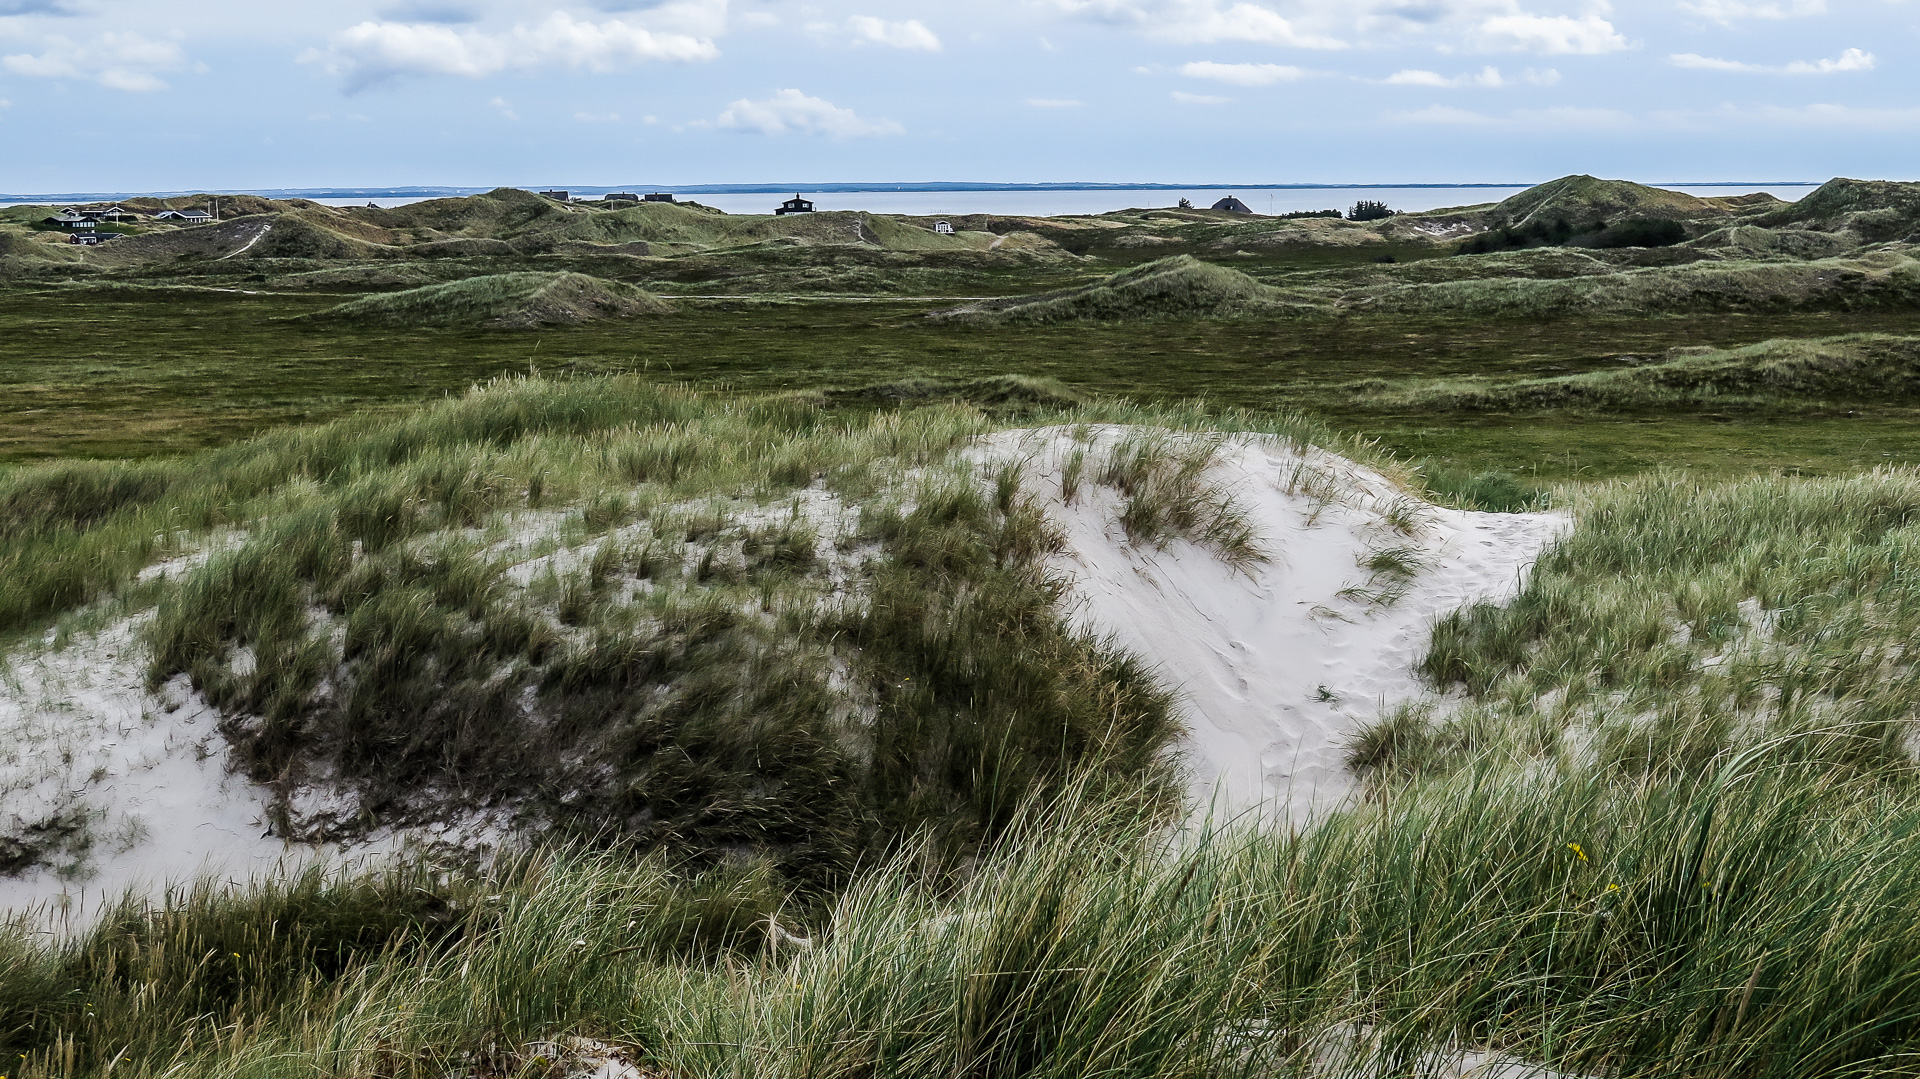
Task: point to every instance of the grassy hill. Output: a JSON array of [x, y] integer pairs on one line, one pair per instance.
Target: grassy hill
[[1178, 287], [1508, 285], [514, 301], [1874, 210], [1859, 368], [1583, 198]]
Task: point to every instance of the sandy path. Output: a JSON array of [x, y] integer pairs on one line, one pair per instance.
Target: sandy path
[[1275, 669]]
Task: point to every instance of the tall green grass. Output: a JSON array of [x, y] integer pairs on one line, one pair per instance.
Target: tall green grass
[[1758, 923], [1680, 623], [1674, 830], [688, 669], [635, 615]]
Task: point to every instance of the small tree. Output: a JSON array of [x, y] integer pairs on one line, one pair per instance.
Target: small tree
[[1369, 210], [1186, 204]]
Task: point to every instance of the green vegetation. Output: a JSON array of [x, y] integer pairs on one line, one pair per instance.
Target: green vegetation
[[1369, 210], [1871, 369], [1586, 198], [1683, 625], [827, 780], [517, 301], [1752, 915], [92, 372], [725, 625], [1177, 287], [1558, 232]]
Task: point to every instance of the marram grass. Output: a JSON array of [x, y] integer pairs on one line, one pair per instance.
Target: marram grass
[[1761, 922], [1674, 830]]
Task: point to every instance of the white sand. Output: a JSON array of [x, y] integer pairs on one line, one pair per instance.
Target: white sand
[[80, 735], [1275, 671]]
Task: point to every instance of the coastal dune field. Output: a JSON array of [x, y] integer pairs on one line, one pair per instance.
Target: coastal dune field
[[503, 637]]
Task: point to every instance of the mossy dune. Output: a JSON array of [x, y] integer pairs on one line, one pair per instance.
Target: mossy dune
[[1177, 287], [1585, 197], [1881, 278], [504, 301], [1875, 210], [1878, 368], [1505, 285]]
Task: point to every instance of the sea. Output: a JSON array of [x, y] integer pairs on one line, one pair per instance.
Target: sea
[[1056, 202]]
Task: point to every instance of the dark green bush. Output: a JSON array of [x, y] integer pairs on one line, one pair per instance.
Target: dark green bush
[[1369, 210], [1639, 232]]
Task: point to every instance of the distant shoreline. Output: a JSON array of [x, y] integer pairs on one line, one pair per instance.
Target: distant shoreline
[[810, 188]]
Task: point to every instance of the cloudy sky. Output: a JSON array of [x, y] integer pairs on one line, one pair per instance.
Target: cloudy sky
[[166, 94]]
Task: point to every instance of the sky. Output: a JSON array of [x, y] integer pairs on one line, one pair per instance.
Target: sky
[[148, 95]]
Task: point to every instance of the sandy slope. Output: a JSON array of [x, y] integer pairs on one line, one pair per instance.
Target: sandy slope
[[1275, 666], [144, 774], [1276, 669]]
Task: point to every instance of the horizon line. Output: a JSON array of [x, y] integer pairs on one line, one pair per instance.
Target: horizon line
[[825, 187]]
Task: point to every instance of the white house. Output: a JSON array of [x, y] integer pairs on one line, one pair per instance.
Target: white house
[[944, 228], [185, 217]]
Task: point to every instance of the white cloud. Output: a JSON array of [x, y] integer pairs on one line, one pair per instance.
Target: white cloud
[[375, 52], [1199, 99], [1489, 77], [1242, 74], [596, 117], [1053, 103], [1200, 22], [1441, 114], [1851, 60], [1726, 11], [1552, 34], [116, 61], [1486, 76], [792, 112], [907, 34]]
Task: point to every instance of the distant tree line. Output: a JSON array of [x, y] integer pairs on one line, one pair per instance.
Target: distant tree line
[[1560, 232], [1311, 213]]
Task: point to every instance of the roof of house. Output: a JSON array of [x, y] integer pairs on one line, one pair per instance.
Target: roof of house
[[1233, 205]]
